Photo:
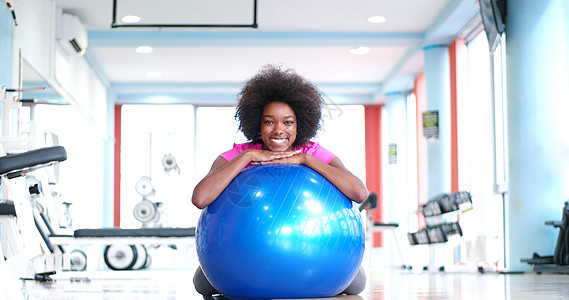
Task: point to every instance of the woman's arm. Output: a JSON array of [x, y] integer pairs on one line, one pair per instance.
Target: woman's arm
[[339, 176], [206, 190], [223, 172], [351, 186]]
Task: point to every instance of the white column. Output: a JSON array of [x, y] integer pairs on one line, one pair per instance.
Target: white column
[[437, 78]]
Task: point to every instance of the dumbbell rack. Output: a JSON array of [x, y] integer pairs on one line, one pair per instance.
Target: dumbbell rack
[[441, 215]]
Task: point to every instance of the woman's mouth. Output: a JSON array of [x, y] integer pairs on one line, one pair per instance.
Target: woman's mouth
[[278, 141]]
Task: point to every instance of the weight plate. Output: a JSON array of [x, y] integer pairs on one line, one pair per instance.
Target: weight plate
[[141, 255], [78, 260], [144, 186], [120, 256], [169, 162], [145, 211], [148, 261]]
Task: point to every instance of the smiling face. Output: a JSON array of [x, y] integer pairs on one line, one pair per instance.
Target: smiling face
[[278, 127]]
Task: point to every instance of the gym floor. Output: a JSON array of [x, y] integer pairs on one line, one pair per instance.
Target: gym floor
[[383, 283]]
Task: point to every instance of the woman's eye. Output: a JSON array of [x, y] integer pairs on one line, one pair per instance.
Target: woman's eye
[[268, 122], [289, 122]]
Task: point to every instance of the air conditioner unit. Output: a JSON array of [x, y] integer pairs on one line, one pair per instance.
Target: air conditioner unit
[[71, 34]]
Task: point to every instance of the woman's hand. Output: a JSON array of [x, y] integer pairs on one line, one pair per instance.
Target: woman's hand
[[296, 158], [261, 157]]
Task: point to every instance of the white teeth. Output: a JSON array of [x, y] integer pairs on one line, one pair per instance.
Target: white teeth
[[278, 141]]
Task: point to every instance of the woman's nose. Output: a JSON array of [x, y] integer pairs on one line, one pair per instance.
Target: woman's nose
[[278, 128]]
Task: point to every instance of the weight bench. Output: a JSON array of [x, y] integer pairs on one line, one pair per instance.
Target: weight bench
[[171, 235], [13, 166], [125, 248]]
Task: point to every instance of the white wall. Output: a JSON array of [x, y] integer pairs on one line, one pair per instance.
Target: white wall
[[83, 125], [35, 34]]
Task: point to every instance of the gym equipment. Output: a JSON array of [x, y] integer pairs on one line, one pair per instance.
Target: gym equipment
[[561, 254], [559, 261], [444, 203], [9, 232], [120, 256], [37, 239], [144, 187], [434, 234], [78, 260], [280, 231], [126, 257], [441, 214], [437, 207], [170, 164], [145, 212], [25, 243], [125, 248], [371, 203]]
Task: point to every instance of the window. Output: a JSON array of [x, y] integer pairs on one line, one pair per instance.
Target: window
[[480, 158], [343, 133], [149, 133], [216, 132]]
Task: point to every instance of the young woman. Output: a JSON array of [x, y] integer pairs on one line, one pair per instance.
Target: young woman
[[278, 112]]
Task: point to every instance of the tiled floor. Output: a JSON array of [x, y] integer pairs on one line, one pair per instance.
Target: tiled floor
[[383, 283]]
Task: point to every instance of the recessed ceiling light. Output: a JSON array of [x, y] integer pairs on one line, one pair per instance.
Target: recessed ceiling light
[[144, 49], [359, 50], [153, 74], [345, 75], [130, 19], [377, 19]]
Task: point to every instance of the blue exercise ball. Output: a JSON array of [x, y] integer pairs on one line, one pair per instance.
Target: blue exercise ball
[[280, 231]]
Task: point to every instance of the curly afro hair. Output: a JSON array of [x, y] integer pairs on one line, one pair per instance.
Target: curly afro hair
[[272, 84]]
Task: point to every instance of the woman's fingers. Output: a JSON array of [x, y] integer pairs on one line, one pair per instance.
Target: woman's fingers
[[275, 157], [289, 159]]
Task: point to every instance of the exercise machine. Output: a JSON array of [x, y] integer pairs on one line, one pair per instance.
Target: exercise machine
[[559, 261], [124, 250], [24, 249]]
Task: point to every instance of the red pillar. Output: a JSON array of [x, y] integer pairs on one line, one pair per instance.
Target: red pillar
[[456, 56], [117, 167], [420, 92], [373, 164]]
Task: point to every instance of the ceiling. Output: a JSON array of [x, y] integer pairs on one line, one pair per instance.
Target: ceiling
[[207, 65]]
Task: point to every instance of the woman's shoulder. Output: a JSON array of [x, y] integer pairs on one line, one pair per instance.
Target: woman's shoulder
[[316, 150], [238, 148], [308, 145], [246, 146]]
